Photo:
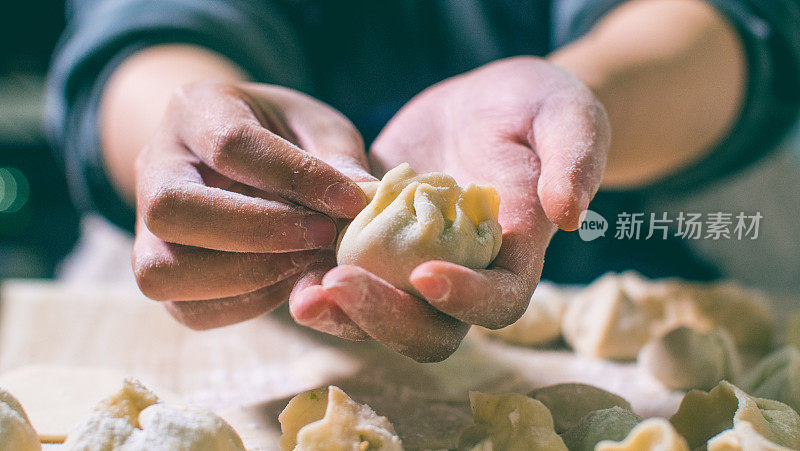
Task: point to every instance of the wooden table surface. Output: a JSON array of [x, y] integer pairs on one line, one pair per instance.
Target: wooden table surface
[[247, 372]]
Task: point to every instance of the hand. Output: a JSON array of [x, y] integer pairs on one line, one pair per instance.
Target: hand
[[235, 193], [526, 127]]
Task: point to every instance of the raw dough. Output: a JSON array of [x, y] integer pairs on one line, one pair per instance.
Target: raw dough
[[331, 421], [685, 358], [16, 432], [58, 397], [603, 321], [744, 313], [777, 377], [134, 419], [510, 422], [702, 416], [416, 218], [569, 403], [606, 424], [655, 434], [614, 316], [541, 323], [793, 330], [743, 437]]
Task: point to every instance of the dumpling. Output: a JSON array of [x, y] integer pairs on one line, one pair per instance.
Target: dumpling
[[603, 321], [330, 420], [606, 424], [744, 313], [135, 419], [776, 377], [793, 330], [703, 415], [414, 218], [685, 358], [569, 403], [614, 316], [510, 422], [655, 434], [743, 437], [540, 324], [16, 431]]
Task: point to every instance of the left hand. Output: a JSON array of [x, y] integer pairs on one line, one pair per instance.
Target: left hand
[[523, 125]]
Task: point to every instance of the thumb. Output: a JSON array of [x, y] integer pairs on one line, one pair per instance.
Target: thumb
[[570, 134]]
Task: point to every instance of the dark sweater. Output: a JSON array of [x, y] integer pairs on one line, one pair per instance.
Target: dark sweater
[[367, 58]]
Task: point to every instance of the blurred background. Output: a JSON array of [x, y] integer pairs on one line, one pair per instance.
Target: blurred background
[[38, 223]]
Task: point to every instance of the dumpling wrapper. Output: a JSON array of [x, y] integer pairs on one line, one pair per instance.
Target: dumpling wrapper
[[510, 422], [414, 218], [776, 377], [134, 419], [570, 402], [654, 434], [604, 321], [612, 424], [703, 415], [330, 420], [685, 358], [541, 322], [743, 437], [16, 431]]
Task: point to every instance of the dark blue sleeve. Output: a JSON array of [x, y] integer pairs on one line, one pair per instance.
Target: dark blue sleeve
[[770, 32], [102, 33]]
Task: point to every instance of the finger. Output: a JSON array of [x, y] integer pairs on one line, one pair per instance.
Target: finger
[[218, 123], [310, 305], [176, 205], [571, 135], [209, 314], [173, 272], [329, 136], [393, 317], [497, 296]]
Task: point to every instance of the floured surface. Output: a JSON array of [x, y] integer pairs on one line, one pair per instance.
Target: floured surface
[[248, 372]]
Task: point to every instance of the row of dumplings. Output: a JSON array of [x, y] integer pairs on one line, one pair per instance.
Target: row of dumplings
[[687, 335], [133, 419], [575, 417]]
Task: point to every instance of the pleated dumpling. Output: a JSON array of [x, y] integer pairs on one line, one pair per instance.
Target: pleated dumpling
[[413, 218]]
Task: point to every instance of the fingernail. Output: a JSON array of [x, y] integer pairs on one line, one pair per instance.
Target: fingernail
[[318, 230], [345, 198], [433, 287]]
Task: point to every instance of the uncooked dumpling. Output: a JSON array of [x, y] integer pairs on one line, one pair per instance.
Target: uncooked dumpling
[[777, 377], [685, 358], [510, 422], [569, 403], [744, 313], [134, 419], [702, 416], [541, 323], [414, 218], [603, 321], [16, 432], [329, 420], [606, 424], [743, 437], [655, 434]]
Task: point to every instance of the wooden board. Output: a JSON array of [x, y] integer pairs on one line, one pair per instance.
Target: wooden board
[[250, 370]]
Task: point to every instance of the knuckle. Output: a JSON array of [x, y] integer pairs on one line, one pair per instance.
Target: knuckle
[[151, 271], [160, 208], [228, 143]]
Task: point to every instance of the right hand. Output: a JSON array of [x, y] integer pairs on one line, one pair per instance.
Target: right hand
[[236, 193]]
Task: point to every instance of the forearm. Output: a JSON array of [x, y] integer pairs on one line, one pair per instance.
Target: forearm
[[136, 97], [671, 75]]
